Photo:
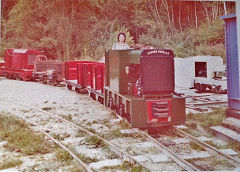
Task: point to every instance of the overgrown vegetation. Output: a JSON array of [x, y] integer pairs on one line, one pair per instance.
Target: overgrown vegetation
[[63, 155], [94, 140], [67, 30], [47, 108], [126, 166], [10, 164], [68, 117], [124, 124], [118, 134], [110, 154], [80, 134], [195, 146], [87, 159], [20, 137], [206, 120], [58, 136]]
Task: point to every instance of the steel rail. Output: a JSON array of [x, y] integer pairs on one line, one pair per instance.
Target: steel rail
[[115, 149], [207, 103], [208, 147], [180, 161], [80, 162]]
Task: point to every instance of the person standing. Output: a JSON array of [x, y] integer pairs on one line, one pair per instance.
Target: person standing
[[121, 45]]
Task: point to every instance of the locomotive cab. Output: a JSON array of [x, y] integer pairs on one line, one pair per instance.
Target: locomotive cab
[[139, 85]]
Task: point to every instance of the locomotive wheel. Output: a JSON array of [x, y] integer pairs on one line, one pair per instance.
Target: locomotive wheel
[[218, 89], [44, 80], [14, 76], [55, 82], [77, 90], [197, 86], [93, 96], [100, 99], [69, 87], [202, 88], [213, 89], [18, 78], [7, 75]]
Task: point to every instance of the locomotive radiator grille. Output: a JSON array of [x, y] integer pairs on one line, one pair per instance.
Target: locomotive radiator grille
[[159, 111]]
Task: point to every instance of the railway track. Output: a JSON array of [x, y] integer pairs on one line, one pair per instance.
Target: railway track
[[121, 152], [206, 154], [138, 157], [204, 103]]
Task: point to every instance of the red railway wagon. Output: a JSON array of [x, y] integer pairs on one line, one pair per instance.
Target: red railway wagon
[[2, 64], [71, 74], [86, 76], [19, 63]]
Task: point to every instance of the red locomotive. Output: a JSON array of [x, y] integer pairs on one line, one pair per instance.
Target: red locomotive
[[19, 63], [136, 84]]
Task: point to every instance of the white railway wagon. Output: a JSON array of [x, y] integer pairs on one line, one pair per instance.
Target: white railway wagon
[[201, 72]]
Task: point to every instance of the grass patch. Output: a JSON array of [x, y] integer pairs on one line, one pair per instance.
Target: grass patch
[[224, 163], [192, 132], [81, 134], [63, 155], [117, 134], [126, 166], [25, 111], [114, 134], [230, 145], [87, 159], [110, 154], [124, 124], [57, 137], [105, 122], [206, 120], [212, 164], [94, 140], [20, 137], [192, 125], [47, 108], [10, 164], [92, 130], [195, 146], [68, 117], [82, 157]]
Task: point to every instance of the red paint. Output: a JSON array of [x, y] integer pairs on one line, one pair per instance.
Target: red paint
[[151, 118]]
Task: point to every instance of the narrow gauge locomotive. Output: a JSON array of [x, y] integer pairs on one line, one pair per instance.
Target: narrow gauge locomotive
[[19, 64], [137, 84]]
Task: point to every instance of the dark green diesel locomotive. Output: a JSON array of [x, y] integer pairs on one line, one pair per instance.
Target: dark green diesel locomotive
[[139, 85]]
